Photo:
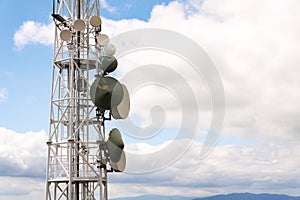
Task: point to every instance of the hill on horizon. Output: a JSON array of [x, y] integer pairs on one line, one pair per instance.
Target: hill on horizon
[[233, 196], [249, 196]]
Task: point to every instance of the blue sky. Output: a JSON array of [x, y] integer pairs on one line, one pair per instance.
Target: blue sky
[[131, 9], [254, 45], [25, 73]]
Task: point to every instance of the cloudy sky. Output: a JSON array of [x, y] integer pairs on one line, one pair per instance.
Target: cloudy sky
[[254, 45]]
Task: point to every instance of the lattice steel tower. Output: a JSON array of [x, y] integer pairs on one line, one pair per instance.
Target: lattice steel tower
[[79, 153]]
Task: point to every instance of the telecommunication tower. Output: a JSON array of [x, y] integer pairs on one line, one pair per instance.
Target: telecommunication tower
[[83, 97]]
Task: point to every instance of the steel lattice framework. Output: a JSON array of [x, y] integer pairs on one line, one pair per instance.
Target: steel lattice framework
[[75, 157]]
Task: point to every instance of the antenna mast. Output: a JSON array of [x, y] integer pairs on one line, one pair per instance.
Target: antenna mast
[[79, 154]]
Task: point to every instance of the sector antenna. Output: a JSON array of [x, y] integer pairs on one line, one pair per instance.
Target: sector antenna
[[84, 96]]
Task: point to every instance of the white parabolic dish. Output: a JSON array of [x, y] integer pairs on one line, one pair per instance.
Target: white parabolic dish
[[122, 110]]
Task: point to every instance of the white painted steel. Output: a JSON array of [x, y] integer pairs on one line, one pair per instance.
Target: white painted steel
[[76, 153]]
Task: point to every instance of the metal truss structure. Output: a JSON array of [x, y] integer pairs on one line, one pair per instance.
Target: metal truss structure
[[76, 168]]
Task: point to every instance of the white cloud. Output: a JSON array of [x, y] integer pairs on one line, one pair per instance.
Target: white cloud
[[34, 33], [230, 168], [17, 188], [3, 94], [254, 46], [107, 6], [22, 164], [22, 155]]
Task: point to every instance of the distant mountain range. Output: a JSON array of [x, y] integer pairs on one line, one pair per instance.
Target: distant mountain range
[[249, 196], [234, 196]]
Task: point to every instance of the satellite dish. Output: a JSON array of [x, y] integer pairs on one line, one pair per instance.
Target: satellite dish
[[108, 64], [106, 92], [115, 145], [79, 25], [65, 35], [122, 110], [110, 49], [102, 39], [95, 21], [120, 165]]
